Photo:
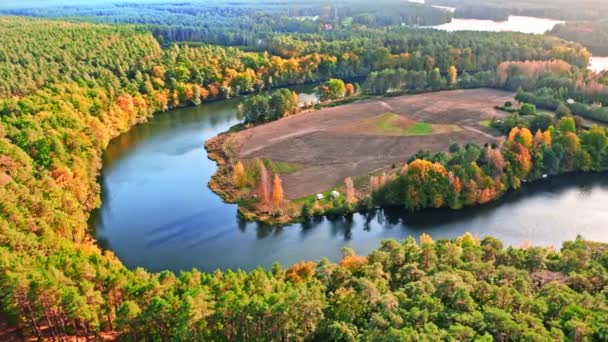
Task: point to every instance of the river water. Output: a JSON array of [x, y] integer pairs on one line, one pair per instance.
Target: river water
[[159, 214]]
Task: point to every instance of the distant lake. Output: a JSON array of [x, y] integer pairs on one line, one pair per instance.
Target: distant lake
[[598, 64], [513, 24]]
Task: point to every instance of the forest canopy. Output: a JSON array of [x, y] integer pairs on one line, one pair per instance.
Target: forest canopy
[[67, 88]]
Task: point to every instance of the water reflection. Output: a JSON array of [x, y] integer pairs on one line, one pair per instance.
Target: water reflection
[[159, 214]]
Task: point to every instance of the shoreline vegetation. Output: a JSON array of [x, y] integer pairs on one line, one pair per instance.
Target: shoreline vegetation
[[221, 150], [356, 194], [538, 145], [63, 99]]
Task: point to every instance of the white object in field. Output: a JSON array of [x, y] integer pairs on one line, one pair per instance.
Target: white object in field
[[545, 175], [570, 101], [335, 194], [320, 196]]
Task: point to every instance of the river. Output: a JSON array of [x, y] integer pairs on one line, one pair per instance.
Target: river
[[159, 214]]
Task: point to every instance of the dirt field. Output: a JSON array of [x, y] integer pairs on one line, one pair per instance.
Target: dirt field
[[335, 143]]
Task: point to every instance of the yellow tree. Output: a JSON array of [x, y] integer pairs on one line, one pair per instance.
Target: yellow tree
[[522, 136], [277, 190], [263, 186], [301, 272], [452, 75], [239, 177]]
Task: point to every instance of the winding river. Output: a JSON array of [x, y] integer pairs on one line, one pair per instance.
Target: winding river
[[158, 213]]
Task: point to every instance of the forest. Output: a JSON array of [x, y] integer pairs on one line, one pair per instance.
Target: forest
[[67, 88], [558, 9], [592, 34], [244, 23], [470, 174]]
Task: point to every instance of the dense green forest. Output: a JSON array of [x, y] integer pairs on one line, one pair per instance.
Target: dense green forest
[[67, 88], [243, 23]]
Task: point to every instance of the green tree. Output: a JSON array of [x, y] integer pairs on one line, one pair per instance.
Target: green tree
[[332, 89]]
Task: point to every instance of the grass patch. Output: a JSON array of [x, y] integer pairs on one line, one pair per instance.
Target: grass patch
[[387, 123], [313, 198], [419, 128], [252, 169], [394, 124], [486, 123], [281, 167]]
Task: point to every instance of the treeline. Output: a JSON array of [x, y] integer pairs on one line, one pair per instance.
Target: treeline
[[472, 175], [592, 34], [423, 49], [264, 108], [401, 80], [241, 23], [386, 13], [554, 84], [546, 84], [283, 102], [558, 9], [482, 12]]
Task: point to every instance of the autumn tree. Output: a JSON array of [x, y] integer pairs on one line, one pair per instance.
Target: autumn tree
[[301, 272], [263, 184], [452, 76], [427, 185], [239, 176], [277, 190], [332, 89]]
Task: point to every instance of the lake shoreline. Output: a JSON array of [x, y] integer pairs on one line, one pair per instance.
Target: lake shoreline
[[195, 226], [223, 150]]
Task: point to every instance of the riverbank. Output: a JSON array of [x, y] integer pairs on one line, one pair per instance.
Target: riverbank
[[339, 160], [222, 150], [196, 227], [358, 144]]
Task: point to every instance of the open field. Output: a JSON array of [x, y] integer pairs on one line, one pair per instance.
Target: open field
[[351, 140]]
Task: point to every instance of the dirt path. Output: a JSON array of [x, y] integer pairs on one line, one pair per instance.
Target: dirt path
[[387, 106], [478, 131]]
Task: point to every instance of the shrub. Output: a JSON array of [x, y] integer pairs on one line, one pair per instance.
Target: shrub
[[527, 109]]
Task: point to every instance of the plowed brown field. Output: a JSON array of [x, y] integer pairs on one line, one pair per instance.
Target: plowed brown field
[[334, 143]]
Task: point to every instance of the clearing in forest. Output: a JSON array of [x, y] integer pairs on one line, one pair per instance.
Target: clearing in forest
[[331, 144], [395, 124]]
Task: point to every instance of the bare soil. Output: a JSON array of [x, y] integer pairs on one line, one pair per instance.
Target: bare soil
[[331, 144]]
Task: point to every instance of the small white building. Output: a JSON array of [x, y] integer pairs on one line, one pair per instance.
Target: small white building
[[571, 101], [320, 197], [335, 194]]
